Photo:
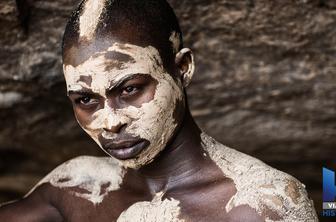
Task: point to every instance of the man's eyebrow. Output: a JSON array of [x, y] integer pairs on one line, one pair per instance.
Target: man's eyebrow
[[125, 79], [83, 91]]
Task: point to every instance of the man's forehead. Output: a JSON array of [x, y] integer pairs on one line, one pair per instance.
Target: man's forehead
[[117, 53], [122, 57], [105, 68]]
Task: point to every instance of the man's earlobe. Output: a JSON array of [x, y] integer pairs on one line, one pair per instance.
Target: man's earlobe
[[185, 62]]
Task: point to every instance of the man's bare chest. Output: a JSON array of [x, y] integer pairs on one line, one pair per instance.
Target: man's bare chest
[[129, 205]]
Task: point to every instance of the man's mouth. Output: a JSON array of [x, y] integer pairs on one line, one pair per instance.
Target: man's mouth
[[126, 149]]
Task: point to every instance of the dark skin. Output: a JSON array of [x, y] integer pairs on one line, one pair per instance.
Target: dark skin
[[188, 180], [180, 170]]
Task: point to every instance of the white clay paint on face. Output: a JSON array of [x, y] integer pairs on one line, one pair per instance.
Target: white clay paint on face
[[157, 210], [259, 186], [89, 19], [96, 175], [154, 120]]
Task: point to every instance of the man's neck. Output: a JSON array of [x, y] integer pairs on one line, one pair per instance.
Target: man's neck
[[178, 161]]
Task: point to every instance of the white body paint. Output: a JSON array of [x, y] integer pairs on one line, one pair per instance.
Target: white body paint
[[89, 19], [88, 173], [153, 121], [91, 173], [157, 210], [258, 185]]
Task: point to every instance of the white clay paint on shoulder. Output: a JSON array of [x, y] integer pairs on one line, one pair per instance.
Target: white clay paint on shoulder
[[259, 185], [89, 19], [157, 210], [89, 173], [154, 120]]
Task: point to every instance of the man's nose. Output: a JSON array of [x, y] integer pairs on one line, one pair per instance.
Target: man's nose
[[114, 123]]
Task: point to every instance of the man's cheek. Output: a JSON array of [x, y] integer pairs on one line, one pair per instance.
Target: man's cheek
[[97, 120], [90, 125], [83, 120], [148, 125], [93, 133], [138, 129]]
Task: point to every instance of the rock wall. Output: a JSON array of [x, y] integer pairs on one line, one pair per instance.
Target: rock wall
[[265, 84]]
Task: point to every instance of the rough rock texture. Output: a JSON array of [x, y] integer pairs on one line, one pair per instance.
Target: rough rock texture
[[265, 84]]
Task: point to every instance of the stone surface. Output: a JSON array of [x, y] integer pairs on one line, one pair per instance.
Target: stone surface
[[265, 84]]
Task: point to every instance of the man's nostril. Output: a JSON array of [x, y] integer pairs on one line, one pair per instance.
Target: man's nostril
[[115, 128]]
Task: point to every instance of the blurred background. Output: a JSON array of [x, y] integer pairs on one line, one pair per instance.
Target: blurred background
[[265, 84]]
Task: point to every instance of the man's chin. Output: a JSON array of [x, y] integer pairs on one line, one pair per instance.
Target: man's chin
[[144, 158], [135, 163]]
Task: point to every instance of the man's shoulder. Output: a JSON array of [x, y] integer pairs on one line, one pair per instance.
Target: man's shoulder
[[271, 192], [236, 164], [84, 169], [86, 173]]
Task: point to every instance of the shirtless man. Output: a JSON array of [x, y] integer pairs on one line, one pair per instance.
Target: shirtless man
[[126, 72]]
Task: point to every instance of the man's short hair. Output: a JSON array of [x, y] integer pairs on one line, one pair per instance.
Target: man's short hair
[[140, 22]]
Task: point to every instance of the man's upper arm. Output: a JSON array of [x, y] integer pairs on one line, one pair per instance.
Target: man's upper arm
[[291, 205], [33, 208]]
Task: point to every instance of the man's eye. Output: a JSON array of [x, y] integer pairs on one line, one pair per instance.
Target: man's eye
[[129, 90], [86, 100]]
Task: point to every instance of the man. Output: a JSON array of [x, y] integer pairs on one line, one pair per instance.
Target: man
[[126, 72]]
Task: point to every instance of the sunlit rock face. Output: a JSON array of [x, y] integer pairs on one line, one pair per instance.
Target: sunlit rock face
[[264, 84]]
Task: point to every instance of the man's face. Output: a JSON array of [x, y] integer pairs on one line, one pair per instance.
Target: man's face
[[126, 101]]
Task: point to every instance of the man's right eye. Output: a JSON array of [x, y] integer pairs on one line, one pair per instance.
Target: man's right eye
[[86, 101]]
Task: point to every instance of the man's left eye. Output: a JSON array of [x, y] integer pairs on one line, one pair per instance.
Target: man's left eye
[[129, 90]]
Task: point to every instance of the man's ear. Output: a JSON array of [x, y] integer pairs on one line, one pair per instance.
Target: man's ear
[[185, 62]]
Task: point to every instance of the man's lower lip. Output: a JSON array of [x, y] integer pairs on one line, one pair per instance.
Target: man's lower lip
[[128, 152]]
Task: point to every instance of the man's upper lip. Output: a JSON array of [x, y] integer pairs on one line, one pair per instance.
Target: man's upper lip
[[122, 144]]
